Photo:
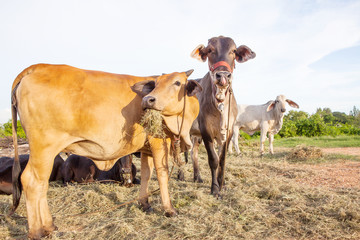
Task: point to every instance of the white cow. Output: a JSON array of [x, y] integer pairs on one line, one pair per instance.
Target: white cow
[[267, 118]]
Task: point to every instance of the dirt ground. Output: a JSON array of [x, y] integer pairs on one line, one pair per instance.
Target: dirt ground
[[341, 174], [355, 151]]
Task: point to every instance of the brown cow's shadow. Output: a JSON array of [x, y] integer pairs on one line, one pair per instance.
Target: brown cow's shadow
[[15, 223], [110, 195]]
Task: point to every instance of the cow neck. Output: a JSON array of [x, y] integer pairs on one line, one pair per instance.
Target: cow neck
[[176, 143], [214, 89]]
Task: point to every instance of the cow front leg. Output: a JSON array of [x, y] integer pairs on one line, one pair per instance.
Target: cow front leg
[[221, 168], [271, 141], [147, 166], [160, 151], [262, 141], [35, 182], [194, 157], [213, 160]]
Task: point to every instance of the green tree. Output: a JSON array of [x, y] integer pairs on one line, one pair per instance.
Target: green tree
[[7, 127], [340, 117], [326, 114], [355, 114], [295, 115]]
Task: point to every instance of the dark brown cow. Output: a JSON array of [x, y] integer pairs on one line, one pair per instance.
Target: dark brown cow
[[83, 170], [212, 121], [6, 164]]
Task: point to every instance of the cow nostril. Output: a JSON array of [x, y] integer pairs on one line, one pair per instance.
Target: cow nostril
[[150, 100], [218, 76], [283, 110]]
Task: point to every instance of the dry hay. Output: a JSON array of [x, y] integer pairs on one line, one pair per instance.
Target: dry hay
[[153, 123], [305, 153], [262, 200]]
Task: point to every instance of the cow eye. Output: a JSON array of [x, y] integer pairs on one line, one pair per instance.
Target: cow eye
[[177, 83]]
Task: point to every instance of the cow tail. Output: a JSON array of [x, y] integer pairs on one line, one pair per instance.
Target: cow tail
[[16, 165]]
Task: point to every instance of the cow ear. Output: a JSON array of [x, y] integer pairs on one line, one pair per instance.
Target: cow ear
[[143, 88], [243, 53], [199, 53], [271, 106], [292, 103], [192, 87]]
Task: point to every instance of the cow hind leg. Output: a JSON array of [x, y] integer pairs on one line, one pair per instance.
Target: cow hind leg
[[194, 157], [35, 182], [147, 166]]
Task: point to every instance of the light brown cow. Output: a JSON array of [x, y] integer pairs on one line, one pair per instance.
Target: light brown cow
[[96, 115]]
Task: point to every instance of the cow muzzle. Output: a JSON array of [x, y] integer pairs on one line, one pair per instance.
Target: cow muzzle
[[127, 177], [222, 79], [148, 102], [221, 85]]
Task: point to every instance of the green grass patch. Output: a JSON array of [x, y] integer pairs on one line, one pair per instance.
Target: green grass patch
[[323, 141]]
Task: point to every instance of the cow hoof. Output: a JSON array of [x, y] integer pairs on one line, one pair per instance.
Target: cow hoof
[[48, 230], [198, 179], [181, 176], [147, 208], [218, 196], [216, 193], [38, 234], [172, 213]]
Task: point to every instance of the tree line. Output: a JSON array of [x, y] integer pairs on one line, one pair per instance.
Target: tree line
[[322, 123], [295, 123]]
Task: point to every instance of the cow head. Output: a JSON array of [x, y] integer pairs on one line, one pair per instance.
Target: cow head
[[167, 95], [221, 53], [279, 105], [125, 170]]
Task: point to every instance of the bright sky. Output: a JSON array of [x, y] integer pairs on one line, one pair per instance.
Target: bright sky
[[306, 50]]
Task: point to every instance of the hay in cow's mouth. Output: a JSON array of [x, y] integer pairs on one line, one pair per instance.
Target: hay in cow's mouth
[[153, 123]]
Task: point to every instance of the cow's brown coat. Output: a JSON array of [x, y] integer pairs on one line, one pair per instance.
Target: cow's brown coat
[[96, 115]]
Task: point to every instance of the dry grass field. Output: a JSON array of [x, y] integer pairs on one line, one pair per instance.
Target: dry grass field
[[312, 195]]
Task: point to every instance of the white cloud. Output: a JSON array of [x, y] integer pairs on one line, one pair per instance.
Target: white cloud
[[158, 37]]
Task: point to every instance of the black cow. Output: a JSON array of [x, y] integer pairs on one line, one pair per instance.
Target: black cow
[[83, 170], [6, 164]]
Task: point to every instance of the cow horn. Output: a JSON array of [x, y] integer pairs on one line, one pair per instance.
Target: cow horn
[[188, 73]]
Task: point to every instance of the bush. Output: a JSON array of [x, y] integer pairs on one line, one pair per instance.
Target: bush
[[349, 129], [288, 129], [322, 123]]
